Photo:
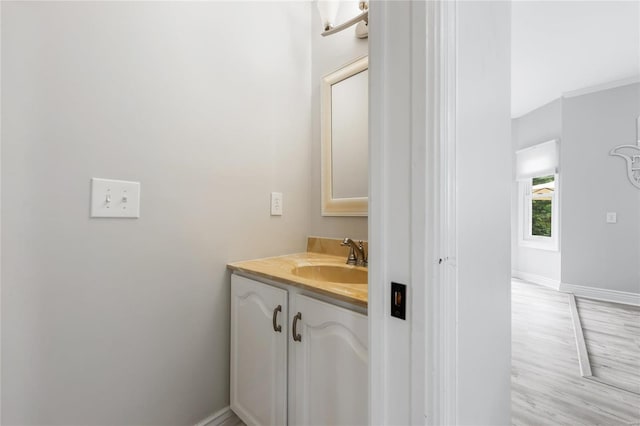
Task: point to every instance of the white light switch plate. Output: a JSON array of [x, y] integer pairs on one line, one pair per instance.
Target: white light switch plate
[[115, 198], [612, 217], [276, 204]]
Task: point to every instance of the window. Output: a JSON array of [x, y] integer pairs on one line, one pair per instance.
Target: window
[[539, 212], [536, 172]]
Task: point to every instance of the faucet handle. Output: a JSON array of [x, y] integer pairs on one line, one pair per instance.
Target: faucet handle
[[365, 261]]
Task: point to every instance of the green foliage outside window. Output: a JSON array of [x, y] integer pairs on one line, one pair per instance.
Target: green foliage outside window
[[542, 179], [541, 206], [541, 218]]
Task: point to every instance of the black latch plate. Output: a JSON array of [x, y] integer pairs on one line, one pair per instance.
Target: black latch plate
[[399, 300]]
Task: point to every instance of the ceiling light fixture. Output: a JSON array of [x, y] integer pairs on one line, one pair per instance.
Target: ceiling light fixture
[[328, 12]]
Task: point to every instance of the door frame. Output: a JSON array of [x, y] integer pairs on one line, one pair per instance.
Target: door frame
[[413, 74], [0, 212]]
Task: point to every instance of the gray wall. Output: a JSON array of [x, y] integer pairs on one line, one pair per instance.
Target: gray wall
[[540, 125], [594, 253], [126, 321], [328, 55]]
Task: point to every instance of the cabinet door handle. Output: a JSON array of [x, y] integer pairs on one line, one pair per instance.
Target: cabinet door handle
[[296, 337], [277, 328]]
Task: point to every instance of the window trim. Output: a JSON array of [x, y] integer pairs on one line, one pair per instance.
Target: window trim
[[525, 239]]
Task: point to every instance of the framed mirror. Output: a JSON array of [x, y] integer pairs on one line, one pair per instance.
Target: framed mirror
[[345, 140]]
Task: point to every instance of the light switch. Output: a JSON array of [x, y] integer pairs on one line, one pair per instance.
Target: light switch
[[115, 198], [612, 217], [276, 204]]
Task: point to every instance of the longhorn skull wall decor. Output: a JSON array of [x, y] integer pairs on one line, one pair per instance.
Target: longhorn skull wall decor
[[631, 155]]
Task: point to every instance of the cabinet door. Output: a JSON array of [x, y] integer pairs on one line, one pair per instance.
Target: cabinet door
[[330, 375], [258, 352]]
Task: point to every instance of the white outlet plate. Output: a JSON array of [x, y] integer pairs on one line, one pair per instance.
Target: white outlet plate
[[612, 217], [115, 198], [276, 204]]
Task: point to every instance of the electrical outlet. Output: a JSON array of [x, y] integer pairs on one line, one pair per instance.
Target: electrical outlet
[[276, 204], [612, 217]]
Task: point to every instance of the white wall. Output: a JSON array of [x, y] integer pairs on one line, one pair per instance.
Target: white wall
[[483, 152], [561, 46], [126, 321], [390, 225], [0, 212], [540, 125], [329, 54], [594, 253]]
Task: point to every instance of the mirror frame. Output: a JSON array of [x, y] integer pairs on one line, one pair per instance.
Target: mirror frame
[[357, 206]]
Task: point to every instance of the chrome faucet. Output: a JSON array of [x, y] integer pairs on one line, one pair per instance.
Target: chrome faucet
[[357, 254]]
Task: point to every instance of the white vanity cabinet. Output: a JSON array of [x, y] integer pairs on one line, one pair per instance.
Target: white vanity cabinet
[[258, 352], [330, 365], [313, 372]]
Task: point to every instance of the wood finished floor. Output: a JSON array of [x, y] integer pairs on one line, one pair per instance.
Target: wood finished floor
[[546, 385], [612, 335]]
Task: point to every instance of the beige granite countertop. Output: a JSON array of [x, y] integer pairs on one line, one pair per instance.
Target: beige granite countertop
[[280, 269]]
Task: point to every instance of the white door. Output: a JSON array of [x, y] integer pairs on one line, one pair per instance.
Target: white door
[[258, 352], [330, 377]]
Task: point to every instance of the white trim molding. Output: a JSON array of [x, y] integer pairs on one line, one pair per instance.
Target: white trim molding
[[378, 359], [420, 202], [604, 294], [600, 87], [581, 345], [220, 418], [441, 296], [584, 91], [536, 279]]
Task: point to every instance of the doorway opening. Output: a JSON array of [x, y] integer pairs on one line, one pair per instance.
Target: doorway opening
[[575, 230]]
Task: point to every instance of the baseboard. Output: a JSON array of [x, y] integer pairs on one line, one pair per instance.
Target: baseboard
[[536, 279], [581, 345], [623, 297], [218, 418]]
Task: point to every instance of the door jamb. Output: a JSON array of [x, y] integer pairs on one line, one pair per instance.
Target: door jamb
[[433, 271], [442, 295]]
